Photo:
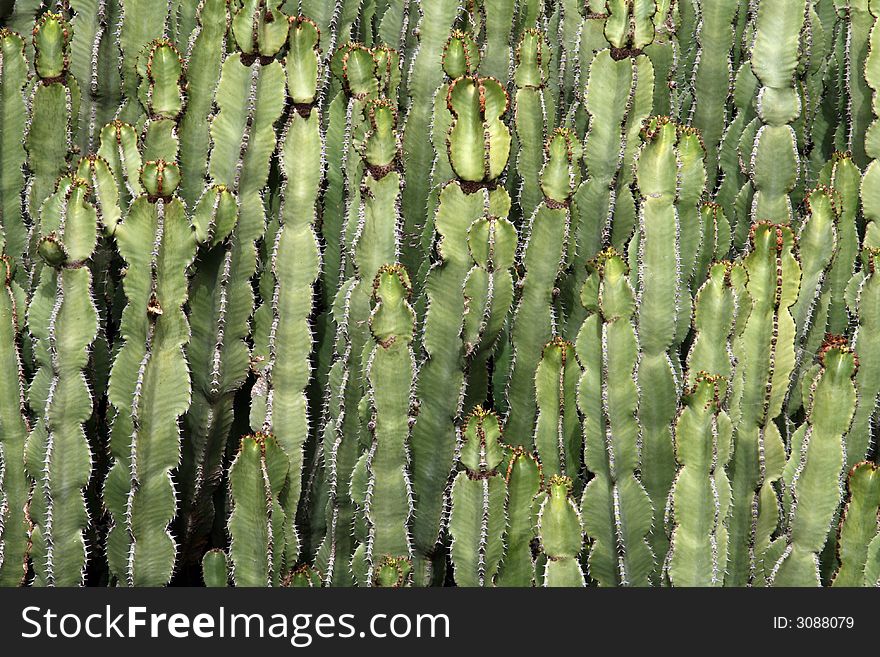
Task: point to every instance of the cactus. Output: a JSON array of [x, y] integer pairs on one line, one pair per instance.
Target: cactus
[[257, 523], [63, 320], [560, 534], [479, 492], [700, 497], [53, 104], [815, 469], [537, 317], [764, 350], [477, 105], [281, 329], [616, 509], [275, 273], [524, 480], [14, 428], [250, 97], [149, 382], [13, 78], [858, 525], [389, 366]]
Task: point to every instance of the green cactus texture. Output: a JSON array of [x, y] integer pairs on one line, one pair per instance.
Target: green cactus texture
[[397, 293]]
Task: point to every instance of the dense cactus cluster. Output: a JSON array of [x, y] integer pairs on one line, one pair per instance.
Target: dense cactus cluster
[[396, 292]]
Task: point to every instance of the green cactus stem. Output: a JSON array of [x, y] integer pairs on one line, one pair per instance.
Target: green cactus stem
[[477, 519], [250, 98], [558, 434], [858, 525], [425, 75], [13, 115], [215, 569], [700, 497], [764, 349], [149, 381], [203, 61], [375, 242], [867, 295], [616, 510], [15, 525], [63, 321], [282, 335], [524, 481], [53, 103], [537, 317], [390, 365], [257, 523], [560, 534], [815, 469]]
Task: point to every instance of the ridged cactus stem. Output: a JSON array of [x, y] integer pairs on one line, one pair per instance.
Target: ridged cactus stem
[[544, 257], [558, 434], [149, 381], [530, 117], [815, 471], [713, 76], [375, 242], [859, 440], [560, 534], [618, 98], [524, 482], [425, 75], [479, 492], [663, 301], [477, 105], [765, 355], [53, 105], [63, 321], [390, 377], [858, 525], [94, 63], [615, 508], [205, 52], [13, 117], [700, 497], [283, 339], [250, 98], [775, 165], [257, 523], [15, 485]]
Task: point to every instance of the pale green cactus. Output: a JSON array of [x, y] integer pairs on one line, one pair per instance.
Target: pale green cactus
[[15, 486], [815, 469], [700, 497], [63, 321], [478, 518], [858, 526], [764, 348], [560, 534], [257, 523], [524, 481], [13, 114], [615, 508], [537, 316]]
